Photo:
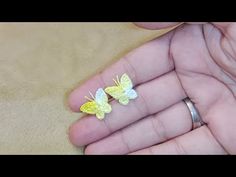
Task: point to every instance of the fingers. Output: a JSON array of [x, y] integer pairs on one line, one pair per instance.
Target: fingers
[[154, 96], [156, 25], [143, 64], [198, 141], [169, 123]]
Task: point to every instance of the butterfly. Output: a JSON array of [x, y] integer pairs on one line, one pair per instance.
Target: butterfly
[[123, 91], [98, 105]]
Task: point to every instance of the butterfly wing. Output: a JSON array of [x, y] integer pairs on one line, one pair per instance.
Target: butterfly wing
[[124, 100], [115, 91], [100, 115], [102, 100], [101, 96], [106, 108], [90, 107], [132, 94], [127, 85], [103, 108], [125, 82]]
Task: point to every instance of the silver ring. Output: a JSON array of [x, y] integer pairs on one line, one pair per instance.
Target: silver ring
[[196, 118]]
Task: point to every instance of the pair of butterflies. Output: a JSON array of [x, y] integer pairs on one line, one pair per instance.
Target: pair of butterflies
[[123, 92]]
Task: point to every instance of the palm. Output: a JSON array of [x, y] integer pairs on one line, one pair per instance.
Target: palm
[[184, 63]]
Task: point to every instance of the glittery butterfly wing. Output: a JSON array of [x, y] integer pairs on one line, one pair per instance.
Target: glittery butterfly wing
[[124, 99], [125, 82], [115, 91], [102, 100], [127, 85], [90, 107], [131, 94]]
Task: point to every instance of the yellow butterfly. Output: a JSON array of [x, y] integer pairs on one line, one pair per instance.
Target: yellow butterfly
[[99, 105], [123, 91]]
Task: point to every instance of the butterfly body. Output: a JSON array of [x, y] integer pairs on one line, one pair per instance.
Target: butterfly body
[[99, 106], [123, 91]]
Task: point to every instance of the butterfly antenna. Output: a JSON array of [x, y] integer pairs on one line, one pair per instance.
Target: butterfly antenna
[[118, 81], [91, 95], [88, 98], [115, 82]]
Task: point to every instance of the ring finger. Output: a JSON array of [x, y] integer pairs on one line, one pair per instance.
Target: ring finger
[[154, 129]]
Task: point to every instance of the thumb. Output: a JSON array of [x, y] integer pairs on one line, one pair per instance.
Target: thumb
[[228, 29], [156, 25], [228, 47], [161, 25]]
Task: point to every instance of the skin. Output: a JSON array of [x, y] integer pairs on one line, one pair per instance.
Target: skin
[[195, 60]]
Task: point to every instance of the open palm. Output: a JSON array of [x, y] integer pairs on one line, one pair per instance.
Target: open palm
[[194, 60]]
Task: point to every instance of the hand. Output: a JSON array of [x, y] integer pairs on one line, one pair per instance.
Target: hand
[[194, 60]]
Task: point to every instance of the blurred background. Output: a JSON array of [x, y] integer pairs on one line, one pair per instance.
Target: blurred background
[[40, 63]]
